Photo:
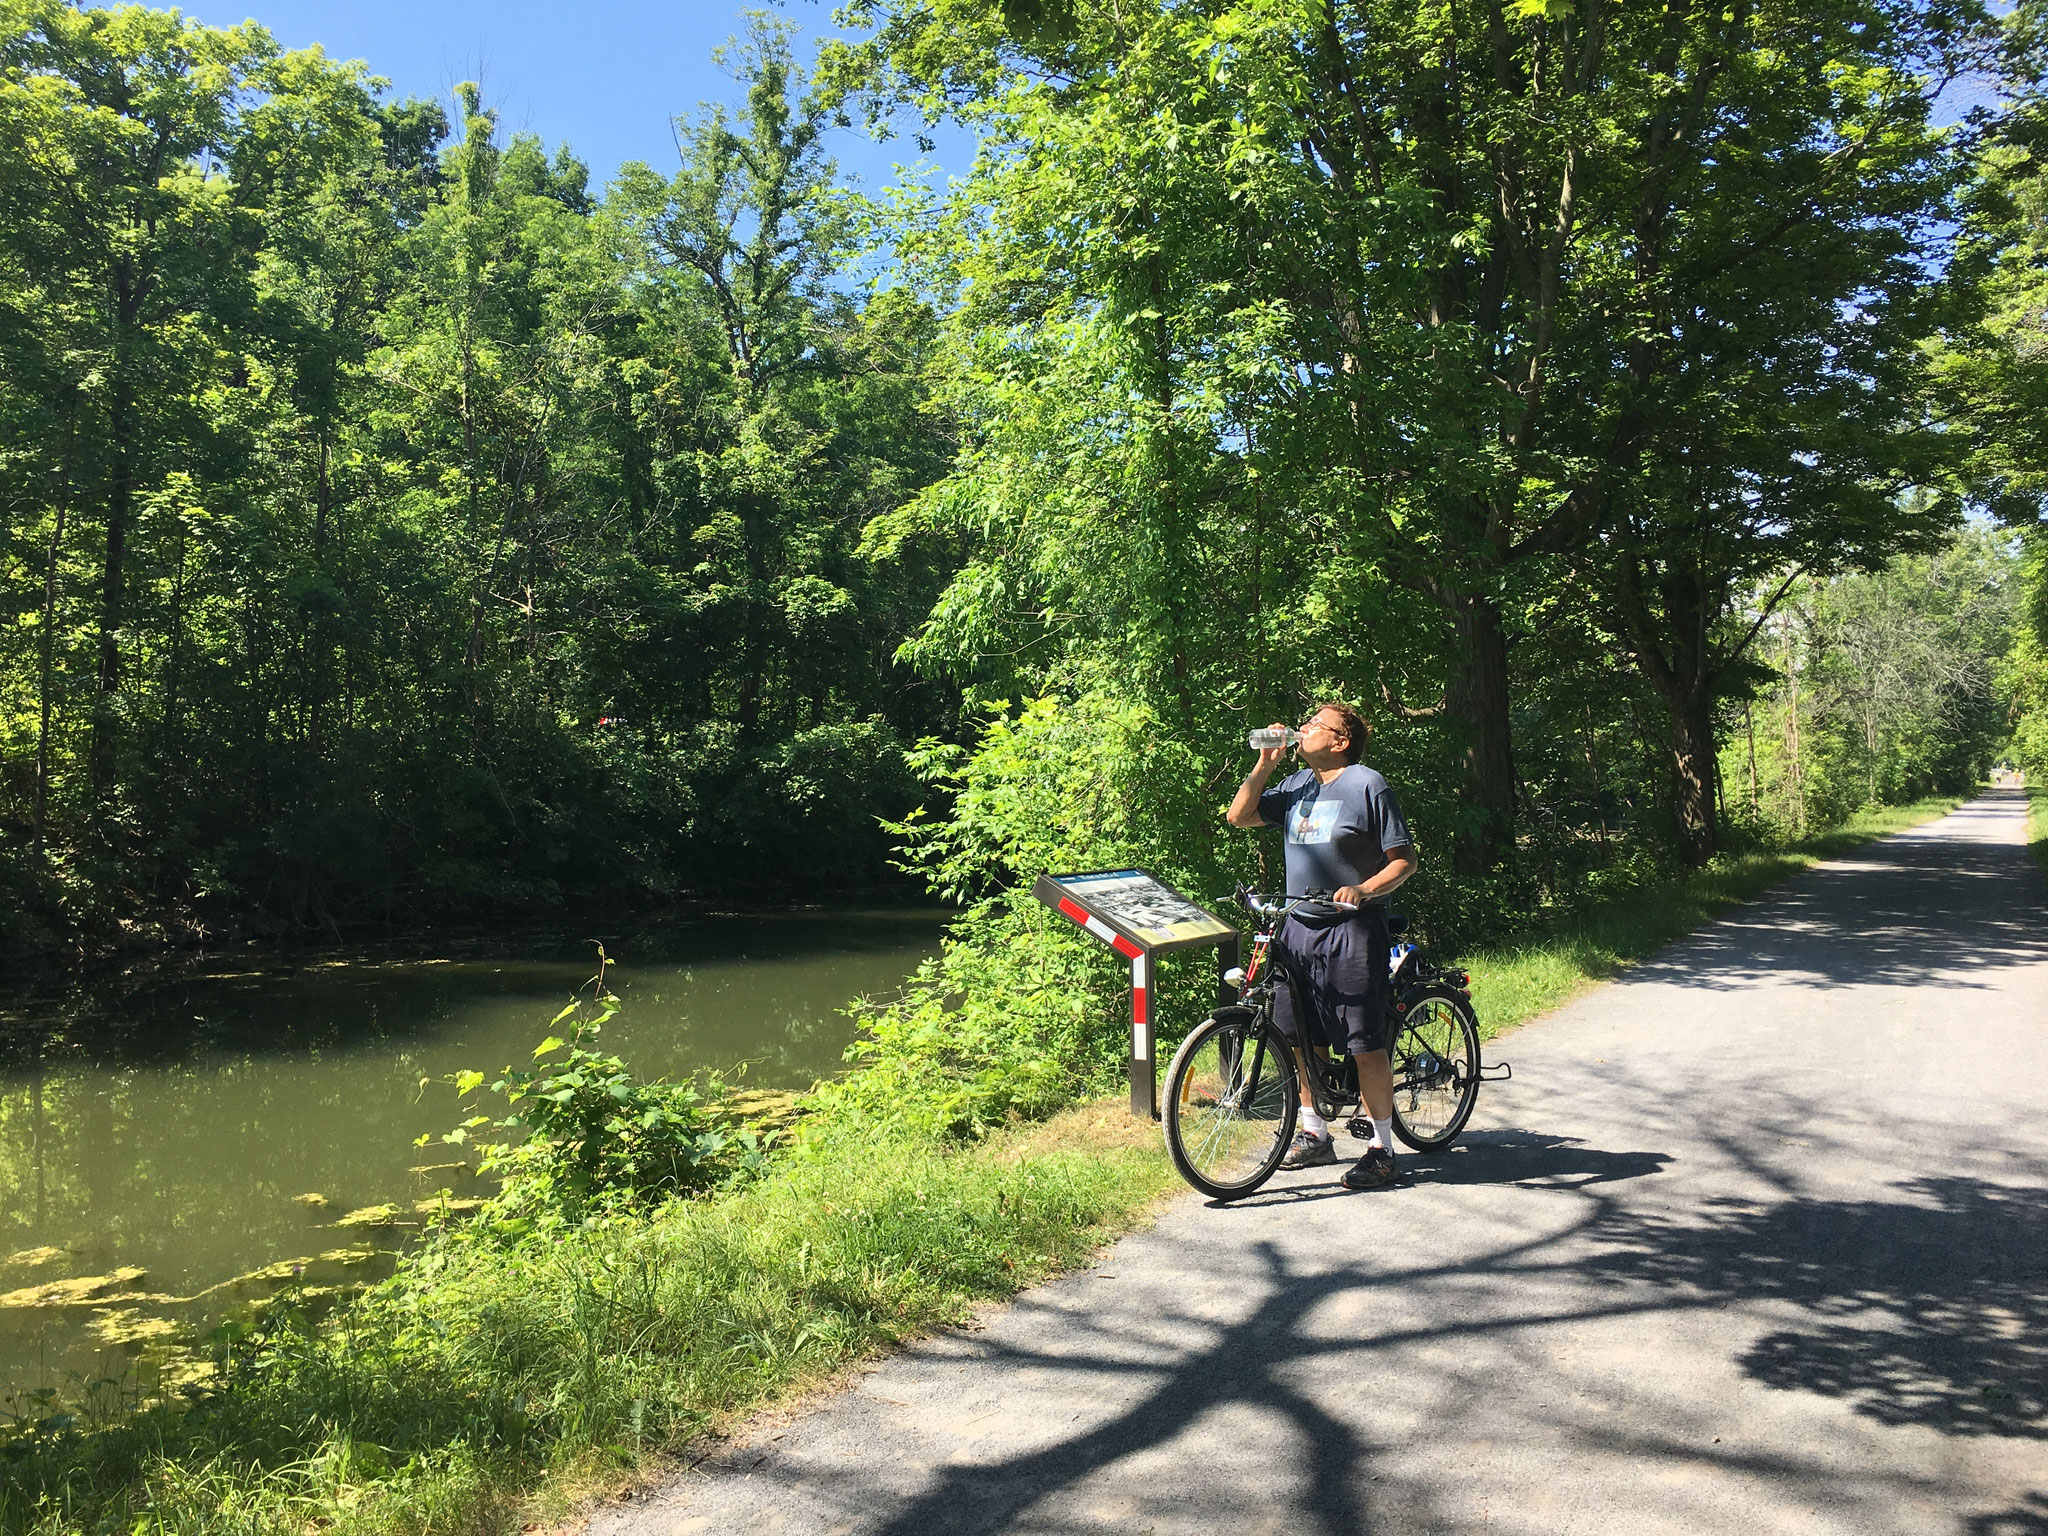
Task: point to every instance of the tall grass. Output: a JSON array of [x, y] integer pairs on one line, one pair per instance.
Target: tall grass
[[2037, 823], [492, 1382]]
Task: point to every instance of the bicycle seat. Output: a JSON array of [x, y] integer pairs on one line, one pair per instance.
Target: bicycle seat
[[1397, 924]]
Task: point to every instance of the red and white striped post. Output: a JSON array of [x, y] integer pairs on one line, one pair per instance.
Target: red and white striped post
[[1167, 920], [1144, 1081], [1072, 911]]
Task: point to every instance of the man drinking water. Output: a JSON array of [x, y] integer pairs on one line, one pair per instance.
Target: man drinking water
[[1343, 833]]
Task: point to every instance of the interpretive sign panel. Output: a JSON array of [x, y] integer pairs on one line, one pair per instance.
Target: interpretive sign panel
[[1133, 902], [1140, 916]]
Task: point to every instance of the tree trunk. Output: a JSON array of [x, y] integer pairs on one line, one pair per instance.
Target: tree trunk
[[46, 674], [1697, 762], [37, 1124], [174, 670], [1749, 721], [1478, 701], [323, 493], [113, 586], [1797, 779], [1599, 795]]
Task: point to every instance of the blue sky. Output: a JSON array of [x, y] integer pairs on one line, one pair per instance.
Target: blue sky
[[604, 75]]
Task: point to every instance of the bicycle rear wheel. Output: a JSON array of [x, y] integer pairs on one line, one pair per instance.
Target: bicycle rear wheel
[[1230, 1103], [1436, 1068]]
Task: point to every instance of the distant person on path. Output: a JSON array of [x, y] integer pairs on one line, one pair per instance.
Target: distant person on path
[[1343, 833]]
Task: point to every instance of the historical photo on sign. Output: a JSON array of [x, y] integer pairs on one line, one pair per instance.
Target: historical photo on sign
[[1152, 913]]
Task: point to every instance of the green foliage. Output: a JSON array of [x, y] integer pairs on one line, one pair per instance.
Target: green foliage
[[1993, 370], [1336, 346], [810, 807], [437, 529], [414, 525], [2023, 674], [1017, 1017], [2037, 823], [1062, 786], [1883, 687], [582, 1137]]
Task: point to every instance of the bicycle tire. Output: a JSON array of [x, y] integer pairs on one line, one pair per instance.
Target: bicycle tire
[[1436, 1067], [1231, 1102]]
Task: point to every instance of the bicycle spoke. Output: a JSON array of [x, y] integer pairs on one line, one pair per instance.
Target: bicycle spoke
[[1219, 1120]]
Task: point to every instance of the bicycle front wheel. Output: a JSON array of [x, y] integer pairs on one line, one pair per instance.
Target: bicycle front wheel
[[1436, 1068], [1230, 1103]]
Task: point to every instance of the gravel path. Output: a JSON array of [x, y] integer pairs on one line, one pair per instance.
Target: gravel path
[[1756, 1241]]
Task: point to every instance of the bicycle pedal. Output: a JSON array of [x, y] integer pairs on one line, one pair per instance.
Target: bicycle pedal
[[1358, 1128]]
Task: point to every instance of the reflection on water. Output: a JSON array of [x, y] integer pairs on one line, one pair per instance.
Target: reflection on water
[[176, 1126]]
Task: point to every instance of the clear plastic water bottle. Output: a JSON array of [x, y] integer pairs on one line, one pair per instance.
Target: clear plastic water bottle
[[1269, 737]]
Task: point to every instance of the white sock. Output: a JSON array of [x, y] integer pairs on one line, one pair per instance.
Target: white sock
[[1314, 1124], [1383, 1133]]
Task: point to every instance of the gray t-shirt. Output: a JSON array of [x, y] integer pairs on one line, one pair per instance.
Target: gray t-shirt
[[1335, 834]]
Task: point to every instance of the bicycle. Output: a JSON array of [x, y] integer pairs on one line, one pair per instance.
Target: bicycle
[[1232, 1091]]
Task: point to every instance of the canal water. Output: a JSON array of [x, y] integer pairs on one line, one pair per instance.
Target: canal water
[[160, 1137]]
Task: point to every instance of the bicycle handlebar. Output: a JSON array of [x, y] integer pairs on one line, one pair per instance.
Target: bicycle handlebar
[[1273, 908]]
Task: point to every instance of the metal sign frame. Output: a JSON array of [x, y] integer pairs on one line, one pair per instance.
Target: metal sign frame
[[1133, 943]]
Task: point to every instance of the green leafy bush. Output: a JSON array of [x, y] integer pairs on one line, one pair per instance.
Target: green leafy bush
[[581, 1135], [1019, 1015], [807, 808]]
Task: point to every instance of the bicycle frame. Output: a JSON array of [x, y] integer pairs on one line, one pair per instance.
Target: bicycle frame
[[1311, 1059], [1330, 1078], [1235, 1083]]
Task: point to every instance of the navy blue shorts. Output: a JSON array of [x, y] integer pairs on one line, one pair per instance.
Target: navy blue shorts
[[1336, 968]]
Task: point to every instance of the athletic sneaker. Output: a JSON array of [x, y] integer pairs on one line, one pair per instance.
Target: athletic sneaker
[[1309, 1151], [1375, 1170]]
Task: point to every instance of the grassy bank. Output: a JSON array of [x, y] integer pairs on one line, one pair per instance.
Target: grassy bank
[[491, 1384], [2037, 823], [497, 1379]]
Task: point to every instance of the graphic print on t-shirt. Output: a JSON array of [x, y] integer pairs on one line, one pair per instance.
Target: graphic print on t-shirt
[[1314, 821]]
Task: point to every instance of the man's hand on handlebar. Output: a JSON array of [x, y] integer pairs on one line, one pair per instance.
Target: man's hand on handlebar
[[1273, 908]]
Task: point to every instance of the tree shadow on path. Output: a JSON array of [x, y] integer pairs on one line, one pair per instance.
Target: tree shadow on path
[[1931, 1310], [2029, 1518], [1928, 1310], [1911, 909], [1479, 1157]]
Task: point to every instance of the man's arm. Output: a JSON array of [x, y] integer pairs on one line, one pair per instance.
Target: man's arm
[[1244, 806], [1399, 866]]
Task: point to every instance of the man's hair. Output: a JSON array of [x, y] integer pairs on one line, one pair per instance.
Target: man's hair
[[1355, 729]]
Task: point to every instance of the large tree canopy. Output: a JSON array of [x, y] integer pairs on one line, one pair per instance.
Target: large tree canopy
[[392, 521], [1446, 300]]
